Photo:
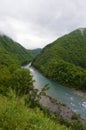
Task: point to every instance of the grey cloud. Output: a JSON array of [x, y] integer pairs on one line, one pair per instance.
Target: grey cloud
[[35, 23]]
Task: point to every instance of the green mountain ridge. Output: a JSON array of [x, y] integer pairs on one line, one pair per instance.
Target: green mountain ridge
[[12, 52], [64, 60], [36, 51]]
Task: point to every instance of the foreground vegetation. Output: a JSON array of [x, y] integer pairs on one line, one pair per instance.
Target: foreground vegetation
[[65, 60], [14, 115]]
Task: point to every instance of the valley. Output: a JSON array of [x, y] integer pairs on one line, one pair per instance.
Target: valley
[[22, 86]]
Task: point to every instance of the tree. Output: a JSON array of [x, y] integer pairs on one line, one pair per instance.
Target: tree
[[21, 81]]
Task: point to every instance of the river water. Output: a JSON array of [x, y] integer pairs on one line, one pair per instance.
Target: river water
[[57, 91]]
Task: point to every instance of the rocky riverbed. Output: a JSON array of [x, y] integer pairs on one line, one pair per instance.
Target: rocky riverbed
[[61, 110]]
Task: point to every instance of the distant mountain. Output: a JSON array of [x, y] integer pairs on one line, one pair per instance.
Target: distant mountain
[[64, 60], [36, 51], [12, 52]]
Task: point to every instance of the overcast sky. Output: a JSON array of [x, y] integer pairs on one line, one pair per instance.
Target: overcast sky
[[35, 23]]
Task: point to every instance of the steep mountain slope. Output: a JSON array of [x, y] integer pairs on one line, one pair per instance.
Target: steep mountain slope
[[64, 60], [36, 51], [12, 52]]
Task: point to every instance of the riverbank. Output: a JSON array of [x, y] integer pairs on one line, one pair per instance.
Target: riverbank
[[79, 92], [61, 110]]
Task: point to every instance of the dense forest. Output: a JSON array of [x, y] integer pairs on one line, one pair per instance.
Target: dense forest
[[64, 60], [12, 52], [36, 51], [19, 100]]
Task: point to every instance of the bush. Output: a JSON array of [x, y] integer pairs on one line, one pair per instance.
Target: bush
[[14, 115]]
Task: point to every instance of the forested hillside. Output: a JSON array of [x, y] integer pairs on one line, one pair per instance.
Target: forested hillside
[[36, 51], [64, 60], [12, 52]]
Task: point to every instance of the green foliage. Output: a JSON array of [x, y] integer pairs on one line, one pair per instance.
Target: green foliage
[[21, 81], [14, 115], [12, 52], [74, 116], [36, 51], [65, 60], [77, 126], [17, 79]]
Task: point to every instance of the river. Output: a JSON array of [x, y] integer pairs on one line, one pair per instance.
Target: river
[[62, 93]]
